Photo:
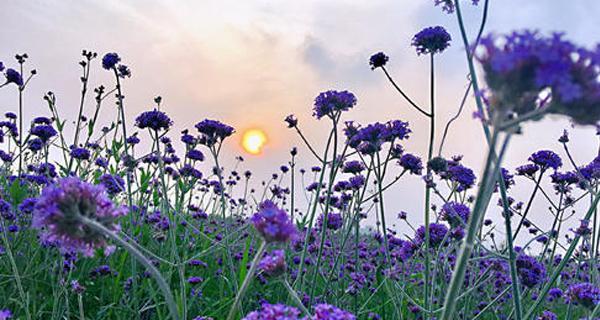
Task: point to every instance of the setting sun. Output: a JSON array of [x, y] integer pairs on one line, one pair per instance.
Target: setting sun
[[253, 141]]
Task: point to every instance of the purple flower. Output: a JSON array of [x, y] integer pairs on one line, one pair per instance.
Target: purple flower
[[291, 121], [523, 66], [60, 208], [586, 294], [530, 271], [547, 315], [330, 102], [5, 314], [44, 132], [546, 159], [378, 60], [463, 176], [195, 155], [273, 264], [273, 223], [13, 76], [528, 170], [329, 312], [113, 184], [213, 131], [110, 60], [80, 153], [411, 163], [334, 221], [155, 120], [456, 214], [354, 167], [437, 233], [431, 40], [448, 5], [195, 280], [274, 312]]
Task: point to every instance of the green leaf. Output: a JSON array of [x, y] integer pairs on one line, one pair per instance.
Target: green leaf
[[244, 263], [17, 192]]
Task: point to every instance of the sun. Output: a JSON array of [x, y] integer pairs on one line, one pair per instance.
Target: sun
[[254, 140]]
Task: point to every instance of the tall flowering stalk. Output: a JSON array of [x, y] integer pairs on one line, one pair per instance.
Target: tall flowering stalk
[[79, 217], [274, 226]]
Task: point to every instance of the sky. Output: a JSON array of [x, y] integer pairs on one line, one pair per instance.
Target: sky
[[250, 63]]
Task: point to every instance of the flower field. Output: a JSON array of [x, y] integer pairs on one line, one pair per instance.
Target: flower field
[[128, 218]]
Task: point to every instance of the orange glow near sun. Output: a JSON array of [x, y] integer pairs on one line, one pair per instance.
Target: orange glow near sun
[[254, 140]]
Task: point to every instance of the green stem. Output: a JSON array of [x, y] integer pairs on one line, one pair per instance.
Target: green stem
[[162, 284], [295, 297], [247, 280]]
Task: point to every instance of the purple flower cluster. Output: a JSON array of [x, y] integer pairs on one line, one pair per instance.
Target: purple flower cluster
[[448, 5], [455, 213], [273, 223], [585, 294], [213, 131], [530, 271], [329, 312], [273, 264], [60, 208], [274, 312], [411, 163], [330, 103], [431, 40], [437, 234], [519, 67], [155, 120], [378, 60], [369, 139], [334, 221], [113, 183]]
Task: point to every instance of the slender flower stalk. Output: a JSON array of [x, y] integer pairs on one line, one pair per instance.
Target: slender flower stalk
[[247, 280], [162, 284]]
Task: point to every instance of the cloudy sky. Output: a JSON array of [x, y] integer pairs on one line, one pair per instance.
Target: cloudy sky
[[250, 63]]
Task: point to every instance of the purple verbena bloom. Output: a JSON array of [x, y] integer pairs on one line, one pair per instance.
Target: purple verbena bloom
[[411, 163], [585, 294], [334, 221], [328, 312], [546, 159], [110, 60], [213, 131], [431, 40], [13, 76], [437, 233], [530, 271], [330, 102], [5, 314], [274, 312], [80, 153], [155, 120], [547, 315], [463, 176], [273, 264], [354, 167], [528, 170], [378, 60], [61, 207], [455, 213], [44, 132], [113, 184], [195, 155], [273, 223]]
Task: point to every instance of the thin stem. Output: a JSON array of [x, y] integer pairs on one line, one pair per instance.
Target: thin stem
[[247, 280], [162, 284], [295, 297], [414, 105]]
